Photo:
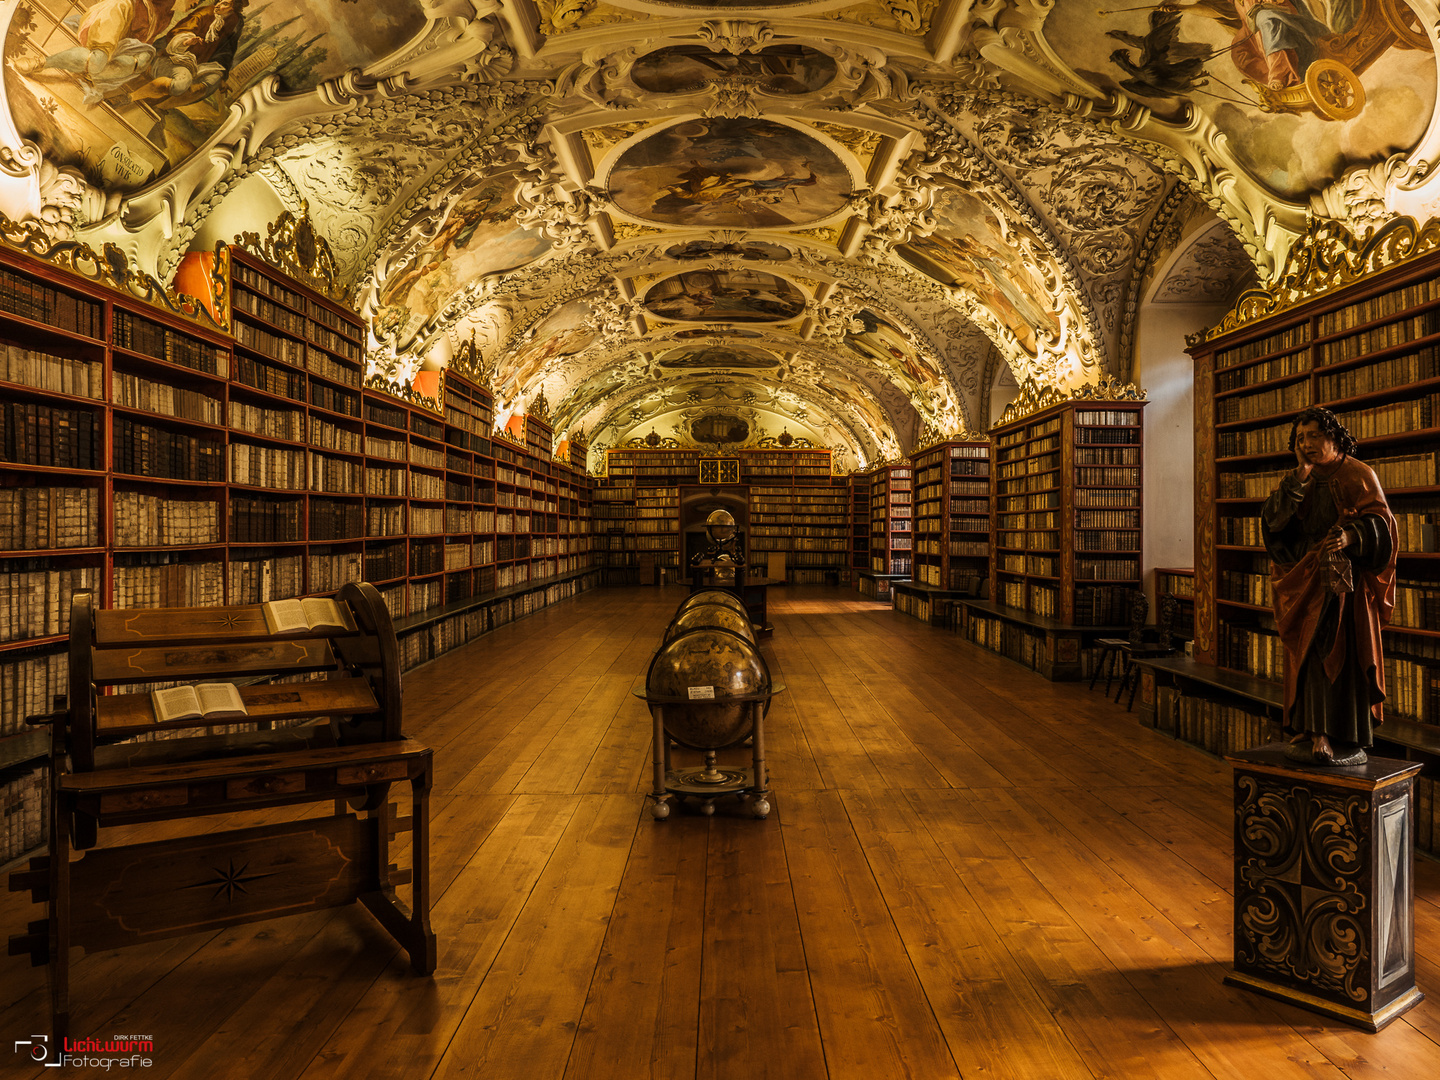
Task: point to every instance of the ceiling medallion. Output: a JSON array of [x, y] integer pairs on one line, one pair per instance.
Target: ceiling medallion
[[1328, 258], [293, 247]]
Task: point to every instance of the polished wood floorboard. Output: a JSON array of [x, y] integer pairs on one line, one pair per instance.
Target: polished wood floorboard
[[968, 872]]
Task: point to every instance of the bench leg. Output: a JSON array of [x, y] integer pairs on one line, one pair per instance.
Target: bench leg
[[59, 929]]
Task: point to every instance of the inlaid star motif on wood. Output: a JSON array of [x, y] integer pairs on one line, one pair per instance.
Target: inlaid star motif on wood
[[229, 881]]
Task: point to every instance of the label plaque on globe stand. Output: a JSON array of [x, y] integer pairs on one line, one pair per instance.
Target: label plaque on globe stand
[[1324, 893]]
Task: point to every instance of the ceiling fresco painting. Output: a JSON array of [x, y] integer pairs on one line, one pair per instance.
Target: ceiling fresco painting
[[855, 222], [725, 296], [124, 90], [718, 356], [741, 173]]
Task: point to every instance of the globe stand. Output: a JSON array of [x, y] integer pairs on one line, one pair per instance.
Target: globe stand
[[709, 781]]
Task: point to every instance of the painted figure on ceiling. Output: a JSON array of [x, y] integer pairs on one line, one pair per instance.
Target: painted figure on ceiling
[[198, 54], [116, 43], [1275, 40]]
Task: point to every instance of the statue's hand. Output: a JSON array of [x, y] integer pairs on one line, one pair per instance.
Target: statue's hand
[[1338, 539], [1302, 465]]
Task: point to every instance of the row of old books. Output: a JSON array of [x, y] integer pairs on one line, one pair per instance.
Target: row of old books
[[1107, 569], [35, 434], [385, 563], [1412, 689], [161, 580], [264, 521], [25, 809], [287, 424], [1417, 605], [329, 571], [1109, 476], [1107, 455], [144, 520], [1253, 350], [333, 399], [133, 392], [1107, 519], [328, 436], [275, 380], [1240, 531], [1218, 727], [262, 578], [1380, 337], [22, 295], [1396, 418], [1102, 605], [57, 374], [1280, 367], [268, 466], [1258, 652], [142, 450], [35, 597], [40, 518], [1398, 371], [336, 519], [276, 347], [426, 456], [427, 520], [1284, 399], [1123, 539], [148, 338], [1106, 437], [29, 684], [1378, 307], [335, 474], [285, 318], [1247, 588], [1405, 470], [426, 557]]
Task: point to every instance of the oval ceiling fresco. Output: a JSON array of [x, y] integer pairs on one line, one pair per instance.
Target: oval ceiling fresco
[[713, 249], [778, 69], [742, 173], [718, 356], [725, 296]]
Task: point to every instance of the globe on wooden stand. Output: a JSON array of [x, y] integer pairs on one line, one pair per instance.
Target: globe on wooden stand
[[709, 688]]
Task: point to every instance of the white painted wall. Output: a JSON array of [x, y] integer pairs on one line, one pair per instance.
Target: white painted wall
[[1165, 371]]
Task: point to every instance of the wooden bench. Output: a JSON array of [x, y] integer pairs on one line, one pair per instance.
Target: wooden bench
[[347, 749]]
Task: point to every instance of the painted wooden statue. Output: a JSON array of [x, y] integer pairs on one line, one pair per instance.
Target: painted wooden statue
[[1332, 537]]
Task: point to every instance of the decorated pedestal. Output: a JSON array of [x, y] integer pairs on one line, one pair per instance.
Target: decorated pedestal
[[1324, 895]]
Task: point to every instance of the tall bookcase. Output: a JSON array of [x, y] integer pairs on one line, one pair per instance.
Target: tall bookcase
[[1370, 355], [892, 519], [1068, 511], [155, 462], [859, 485], [952, 515]]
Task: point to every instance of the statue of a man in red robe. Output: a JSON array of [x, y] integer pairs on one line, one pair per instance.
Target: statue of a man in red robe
[[1332, 537]]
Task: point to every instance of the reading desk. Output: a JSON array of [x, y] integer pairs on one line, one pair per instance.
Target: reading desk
[[346, 747]]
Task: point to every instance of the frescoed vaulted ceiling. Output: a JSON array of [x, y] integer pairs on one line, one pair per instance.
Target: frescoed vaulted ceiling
[[848, 220]]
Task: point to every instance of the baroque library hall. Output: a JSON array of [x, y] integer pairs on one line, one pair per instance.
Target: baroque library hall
[[716, 539]]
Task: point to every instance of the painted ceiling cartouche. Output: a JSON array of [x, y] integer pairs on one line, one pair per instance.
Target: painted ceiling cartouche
[[848, 220]]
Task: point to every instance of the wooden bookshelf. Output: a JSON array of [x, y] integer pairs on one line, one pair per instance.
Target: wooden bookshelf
[[892, 520], [859, 485], [794, 507], [952, 515], [157, 463], [1068, 511], [1368, 354]]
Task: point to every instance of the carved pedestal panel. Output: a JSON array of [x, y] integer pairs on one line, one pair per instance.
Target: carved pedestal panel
[[1324, 905]]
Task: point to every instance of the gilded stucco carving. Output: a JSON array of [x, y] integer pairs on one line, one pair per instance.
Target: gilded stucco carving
[[1001, 185]]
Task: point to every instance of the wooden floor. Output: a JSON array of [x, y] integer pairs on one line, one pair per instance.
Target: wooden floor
[[968, 871]]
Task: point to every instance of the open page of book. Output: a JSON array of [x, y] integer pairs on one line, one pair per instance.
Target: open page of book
[[285, 616], [322, 613], [176, 703], [220, 699]]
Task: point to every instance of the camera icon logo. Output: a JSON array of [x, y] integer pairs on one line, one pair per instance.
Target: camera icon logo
[[39, 1048]]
